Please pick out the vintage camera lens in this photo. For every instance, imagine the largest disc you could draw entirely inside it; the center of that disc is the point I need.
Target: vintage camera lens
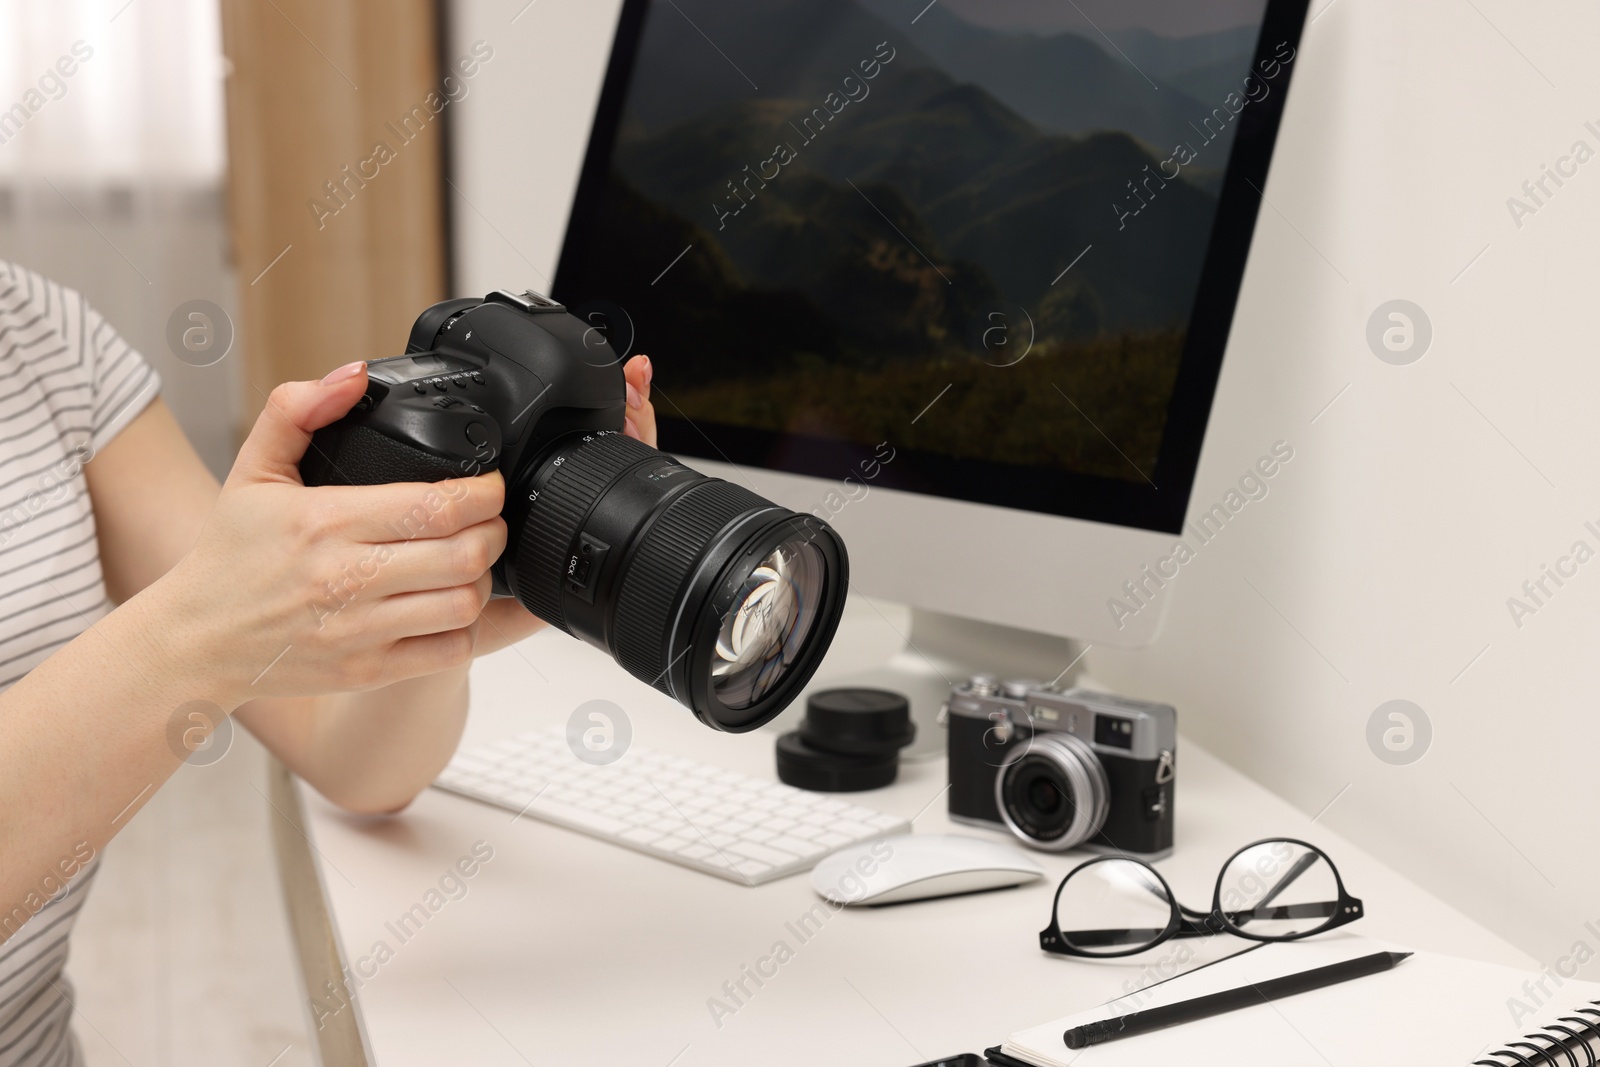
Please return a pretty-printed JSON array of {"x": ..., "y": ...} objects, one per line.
[
  {"x": 719, "y": 598},
  {"x": 1053, "y": 792}
]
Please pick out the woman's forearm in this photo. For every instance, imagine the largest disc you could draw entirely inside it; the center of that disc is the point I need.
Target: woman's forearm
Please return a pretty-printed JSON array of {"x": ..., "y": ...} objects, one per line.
[
  {"x": 88, "y": 736},
  {"x": 369, "y": 752}
]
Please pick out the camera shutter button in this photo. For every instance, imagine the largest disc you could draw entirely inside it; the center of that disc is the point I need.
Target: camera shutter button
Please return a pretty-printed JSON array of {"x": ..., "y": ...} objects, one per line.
[{"x": 477, "y": 434}]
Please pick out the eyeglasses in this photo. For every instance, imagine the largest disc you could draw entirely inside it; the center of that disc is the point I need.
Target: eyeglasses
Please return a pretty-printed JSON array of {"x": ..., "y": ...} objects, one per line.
[{"x": 1279, "y": 889}]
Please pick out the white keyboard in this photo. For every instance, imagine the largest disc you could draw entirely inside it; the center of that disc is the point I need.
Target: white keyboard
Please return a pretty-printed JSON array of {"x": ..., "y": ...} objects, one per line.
[{"x": 740, "y": 828}]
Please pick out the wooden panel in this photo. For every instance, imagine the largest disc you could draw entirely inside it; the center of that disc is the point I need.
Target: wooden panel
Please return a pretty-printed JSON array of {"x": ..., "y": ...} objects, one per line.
[{"x": 335, "y": 142}]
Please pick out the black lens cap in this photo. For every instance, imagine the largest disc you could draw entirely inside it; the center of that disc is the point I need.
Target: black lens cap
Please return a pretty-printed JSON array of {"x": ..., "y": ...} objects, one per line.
[
  {"x": 805, "y": 767},
  {"x": 858, "y": 722}
]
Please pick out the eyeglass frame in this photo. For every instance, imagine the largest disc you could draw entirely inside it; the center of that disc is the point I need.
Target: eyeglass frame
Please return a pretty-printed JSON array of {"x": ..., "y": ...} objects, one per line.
[{"x": 1188, "y": 922}]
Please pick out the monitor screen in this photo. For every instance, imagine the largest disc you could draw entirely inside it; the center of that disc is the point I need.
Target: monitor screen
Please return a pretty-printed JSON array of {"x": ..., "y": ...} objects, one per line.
[{"x": 993, "y": 246}]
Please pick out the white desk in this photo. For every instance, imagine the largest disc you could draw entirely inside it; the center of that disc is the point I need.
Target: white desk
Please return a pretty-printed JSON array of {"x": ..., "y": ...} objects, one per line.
[{"x": 566, "y": 950}]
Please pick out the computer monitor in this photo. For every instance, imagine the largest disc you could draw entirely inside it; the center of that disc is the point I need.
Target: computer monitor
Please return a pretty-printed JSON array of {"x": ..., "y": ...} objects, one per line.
[{"x": 957, "y": 276}]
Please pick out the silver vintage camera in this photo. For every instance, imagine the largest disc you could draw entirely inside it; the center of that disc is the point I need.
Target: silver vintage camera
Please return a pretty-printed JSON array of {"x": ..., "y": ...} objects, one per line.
[{"x": 1063, "y": 769}]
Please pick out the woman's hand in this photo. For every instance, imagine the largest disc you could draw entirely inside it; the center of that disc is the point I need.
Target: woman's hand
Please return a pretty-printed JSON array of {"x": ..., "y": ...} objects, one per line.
[
  {"x": 506, "y": 621},
  {"x": 293, "y": 591}
]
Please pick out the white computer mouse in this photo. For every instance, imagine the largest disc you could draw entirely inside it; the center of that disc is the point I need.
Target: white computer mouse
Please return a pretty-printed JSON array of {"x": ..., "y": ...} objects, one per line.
[{"x": 892, "y": 870}]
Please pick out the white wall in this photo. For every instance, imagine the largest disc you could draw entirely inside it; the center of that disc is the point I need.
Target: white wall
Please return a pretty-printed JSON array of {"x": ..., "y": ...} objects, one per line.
[
  {"x": 518, "y": 151},
  {"x": 1379, "y": 565},
  {"x": 1426, "y": 494}
]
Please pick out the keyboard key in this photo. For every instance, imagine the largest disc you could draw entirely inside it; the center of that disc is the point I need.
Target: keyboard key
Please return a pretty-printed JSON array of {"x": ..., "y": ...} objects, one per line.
[
  {"x": 584, "y": 817},
  {"x": 669, "y": 827},
  {"x": 802, "y": 849},
  {"x": 773, "y": 856},
  {"x": 751, "y": 869}
]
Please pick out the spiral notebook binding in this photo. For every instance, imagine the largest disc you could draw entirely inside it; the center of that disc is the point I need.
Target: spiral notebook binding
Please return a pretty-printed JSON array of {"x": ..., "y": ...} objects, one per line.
[{"x": 1560, "y": 1043}]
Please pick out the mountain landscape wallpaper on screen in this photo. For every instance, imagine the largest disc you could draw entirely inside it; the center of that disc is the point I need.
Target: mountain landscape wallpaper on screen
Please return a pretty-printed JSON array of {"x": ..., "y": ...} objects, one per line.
[{"x": 876, "y": 209}]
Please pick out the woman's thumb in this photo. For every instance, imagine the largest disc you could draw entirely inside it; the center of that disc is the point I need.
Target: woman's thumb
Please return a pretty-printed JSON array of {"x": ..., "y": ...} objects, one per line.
[{"x": 283, "y": 430}]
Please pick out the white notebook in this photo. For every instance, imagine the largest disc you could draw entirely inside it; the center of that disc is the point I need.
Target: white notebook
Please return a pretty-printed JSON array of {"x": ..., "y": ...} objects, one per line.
[{"x": 1430, "y": 1009}]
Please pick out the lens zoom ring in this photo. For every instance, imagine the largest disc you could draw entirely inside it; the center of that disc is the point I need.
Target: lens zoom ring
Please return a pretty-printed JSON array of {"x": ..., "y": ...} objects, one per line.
[
  {"x": 661, "y": 565},
  {"x": 556, "y": 519}
]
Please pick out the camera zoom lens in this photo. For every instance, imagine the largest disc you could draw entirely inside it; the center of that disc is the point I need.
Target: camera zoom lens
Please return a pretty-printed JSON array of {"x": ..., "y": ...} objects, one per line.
[
  {"x": 717, "y": 597},
  {"x": 1053, "y": 793},
  {"x": 775, "y": 608}
]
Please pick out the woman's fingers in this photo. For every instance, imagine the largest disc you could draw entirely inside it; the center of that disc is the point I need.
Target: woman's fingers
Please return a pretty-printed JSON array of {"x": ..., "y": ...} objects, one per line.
[
  {"x": 413, "y": 657},
  {"x": 405, "y": 511},
  {"x": 434, "y": 611},
  {"x": 276, "y": 444},
  {"x": 640, "y": 420},
  {"x": 638, "y": 373},
  {"x": 437, "y": 562}
]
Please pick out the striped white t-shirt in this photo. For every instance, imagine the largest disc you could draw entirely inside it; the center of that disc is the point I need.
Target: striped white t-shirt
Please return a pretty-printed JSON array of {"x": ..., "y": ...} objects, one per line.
[{"x": 68, "y": 385}]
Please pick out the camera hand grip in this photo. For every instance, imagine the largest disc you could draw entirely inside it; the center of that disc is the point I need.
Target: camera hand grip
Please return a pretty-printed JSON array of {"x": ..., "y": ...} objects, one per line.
[{"x": 358, "y": 455}]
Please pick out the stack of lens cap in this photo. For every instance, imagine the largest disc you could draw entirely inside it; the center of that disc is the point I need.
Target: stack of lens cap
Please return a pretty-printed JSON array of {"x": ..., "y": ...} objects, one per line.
[{"x": 850, "y": 740}]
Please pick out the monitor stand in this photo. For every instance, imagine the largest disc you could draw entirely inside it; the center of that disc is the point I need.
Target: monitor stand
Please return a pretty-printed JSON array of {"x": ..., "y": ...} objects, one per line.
[{"x": 939, "y": 651}]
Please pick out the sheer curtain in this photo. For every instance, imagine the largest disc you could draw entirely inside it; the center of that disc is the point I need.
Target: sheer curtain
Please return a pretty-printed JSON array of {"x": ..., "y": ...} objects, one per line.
[
  {"x": 111, "y": 167},
  {"x": 95, "y": 91}
]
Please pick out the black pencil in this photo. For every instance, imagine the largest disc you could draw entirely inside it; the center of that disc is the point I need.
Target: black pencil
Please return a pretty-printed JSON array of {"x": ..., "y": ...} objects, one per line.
[{"x": 1142, "y": 1022}]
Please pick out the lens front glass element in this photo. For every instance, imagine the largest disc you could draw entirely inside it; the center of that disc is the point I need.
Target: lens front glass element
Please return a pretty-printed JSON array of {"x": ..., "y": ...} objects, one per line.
[
  {"x": 1039, "y": 797},
  {"x": 766, "y": 628},
  {"x": 1278, "y": 889},
  {"x": 1111, "y": 907}
]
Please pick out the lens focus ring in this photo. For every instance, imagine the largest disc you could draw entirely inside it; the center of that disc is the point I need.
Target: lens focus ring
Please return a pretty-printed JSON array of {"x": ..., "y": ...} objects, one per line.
[
  {"x": 670, "y": 551},
  {"x": 565, "y": 499}
]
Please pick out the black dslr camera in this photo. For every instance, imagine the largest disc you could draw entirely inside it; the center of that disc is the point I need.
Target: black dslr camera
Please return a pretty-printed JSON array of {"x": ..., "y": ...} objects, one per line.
[
  {"x": 1063, "y": 769},
  {"x": 720, "y": 599}
]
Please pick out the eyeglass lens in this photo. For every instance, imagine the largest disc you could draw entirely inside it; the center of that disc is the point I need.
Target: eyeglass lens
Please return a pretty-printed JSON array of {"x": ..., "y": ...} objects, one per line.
[
  {"x": 1112, "y": 907},
  {"x": 1278, "y": 888}
]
